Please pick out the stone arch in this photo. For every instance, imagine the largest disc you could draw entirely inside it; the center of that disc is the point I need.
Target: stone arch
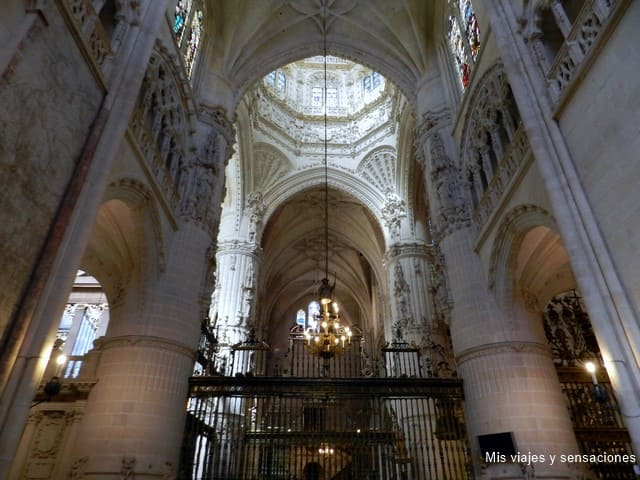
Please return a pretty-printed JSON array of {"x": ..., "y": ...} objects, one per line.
[
  {"x": 504, "y": 254},
  {"x": 341, "y": 180},
  {"x": 127, "y": 244}
]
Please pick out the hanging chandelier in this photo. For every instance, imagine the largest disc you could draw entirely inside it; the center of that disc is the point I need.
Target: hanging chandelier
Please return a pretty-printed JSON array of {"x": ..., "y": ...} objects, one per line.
[{"x": 325, "y": 336}]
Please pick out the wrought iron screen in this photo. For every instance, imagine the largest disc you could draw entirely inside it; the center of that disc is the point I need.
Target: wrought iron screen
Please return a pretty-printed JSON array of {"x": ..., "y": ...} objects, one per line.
[{"x": 320, "y": 428}]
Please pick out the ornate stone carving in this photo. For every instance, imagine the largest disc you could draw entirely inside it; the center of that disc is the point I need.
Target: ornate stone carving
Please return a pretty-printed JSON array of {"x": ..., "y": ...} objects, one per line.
[
  {"x": 77, "y": 469},
  {"x": 256, "y": 209},
  {"x": 90, "y": 27},
  {"x": 393, "y": 211},
  {"x": 401, "y": 293},
  {"x": 160, "y": 121},
  {"x": 581, "y": 36},
  {"x": 449, "y": 184},
  {"x": 379, "y": 169},
  {"x": 270, "y": 167},
  {"x": 494, "y": 143},
  {"x": 202, "y": 182},
  {"x": 217, "y": 117},
  {"x": 439, "y": 287},
  {"x": 127, "y": 471}
]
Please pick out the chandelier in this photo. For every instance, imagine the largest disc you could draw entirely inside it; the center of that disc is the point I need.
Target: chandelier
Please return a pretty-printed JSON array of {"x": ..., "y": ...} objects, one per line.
[{"x": 325, "y": 336}]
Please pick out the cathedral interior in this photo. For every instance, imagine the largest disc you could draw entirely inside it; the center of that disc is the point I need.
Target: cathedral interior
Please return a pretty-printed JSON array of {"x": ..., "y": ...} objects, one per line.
[{"x": 319, "y": 239}]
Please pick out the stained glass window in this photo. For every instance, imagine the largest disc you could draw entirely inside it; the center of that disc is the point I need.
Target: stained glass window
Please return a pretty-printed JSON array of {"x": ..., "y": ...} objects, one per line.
[
  {"x": 316, "y": 96},
  {"x": 183, "y": 7},
  {"x": 271, "y": 78},
  {"x": 332, "y": 97},
  {"x": 301, "y": 318},
  {"x": 188, "y": 28},
  {"x": 195, "y": 35},
  {"x": 375, "y": 80},
  {"x": 314, "y": 310},
  {"x": 371, "y": 82},
  {"x": 282, "y": 81},
  {"x": 366, "y": 83},
  {"x": 464, "y": 38}
]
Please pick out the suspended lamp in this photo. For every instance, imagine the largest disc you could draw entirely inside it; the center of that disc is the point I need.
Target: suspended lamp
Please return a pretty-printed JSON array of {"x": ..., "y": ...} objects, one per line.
[{"x": 327, "y": 337}]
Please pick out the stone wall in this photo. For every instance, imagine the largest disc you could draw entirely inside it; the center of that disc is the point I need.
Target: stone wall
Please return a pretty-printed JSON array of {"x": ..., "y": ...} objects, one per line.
[{"x": 49, "y": 99}]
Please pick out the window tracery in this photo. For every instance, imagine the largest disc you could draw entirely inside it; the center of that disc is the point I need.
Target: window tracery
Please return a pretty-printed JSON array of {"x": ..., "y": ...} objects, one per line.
[
  {"x": 277, "y": 80},
  {"x": 188, "y": 29},
  {"x": 372, "y": 82},
  {"x": 463, "y": 35}
]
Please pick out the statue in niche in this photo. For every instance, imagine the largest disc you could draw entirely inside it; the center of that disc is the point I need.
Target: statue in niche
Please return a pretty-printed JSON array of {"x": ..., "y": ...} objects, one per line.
[
  {"x": 393, "y": 212},
  {"x": 401, "y": 292},
  {"x": 257, "y": 208}
]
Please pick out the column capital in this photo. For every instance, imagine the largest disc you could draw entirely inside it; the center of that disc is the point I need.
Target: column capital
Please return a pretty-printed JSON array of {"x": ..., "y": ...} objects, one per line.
[{"x": 413, "y": 249}]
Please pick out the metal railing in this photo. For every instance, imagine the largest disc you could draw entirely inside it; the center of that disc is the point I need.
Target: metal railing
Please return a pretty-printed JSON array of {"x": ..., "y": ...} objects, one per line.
[{"x": 324, "y": 428}]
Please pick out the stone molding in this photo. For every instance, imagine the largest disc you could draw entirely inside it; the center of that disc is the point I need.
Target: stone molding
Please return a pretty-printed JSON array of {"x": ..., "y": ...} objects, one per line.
[
  {"x": 516, "y": 222},
  {"x": 144, "y": 341},
  {"x": 502, "y": 348},
  {"x": 241, "y": 247},
  {"x": 401, "y": 250}
]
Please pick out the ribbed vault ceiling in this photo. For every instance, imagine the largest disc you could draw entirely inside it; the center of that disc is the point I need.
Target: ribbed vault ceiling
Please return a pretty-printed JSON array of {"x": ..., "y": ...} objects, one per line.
[
  {"x": 251, "y": 37},
  {"x": 293, "y": 253}
]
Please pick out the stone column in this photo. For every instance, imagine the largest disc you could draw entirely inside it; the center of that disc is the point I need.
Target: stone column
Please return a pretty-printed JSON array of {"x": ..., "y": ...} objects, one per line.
[
  {"x": 234, "y": 296},
  {"x": 510, "y": 382},
  {"x": 414, "y": 323},
  {"x": 135, "y": 416},
  {"x": 410, "y": 272},
  {"x": 612, "y": 311}
]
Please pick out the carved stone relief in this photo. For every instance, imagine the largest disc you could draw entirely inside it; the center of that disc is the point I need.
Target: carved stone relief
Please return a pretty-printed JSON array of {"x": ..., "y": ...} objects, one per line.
[
  {"x": 379, "y": 169},
  {"x": 393, "y": 211}
]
